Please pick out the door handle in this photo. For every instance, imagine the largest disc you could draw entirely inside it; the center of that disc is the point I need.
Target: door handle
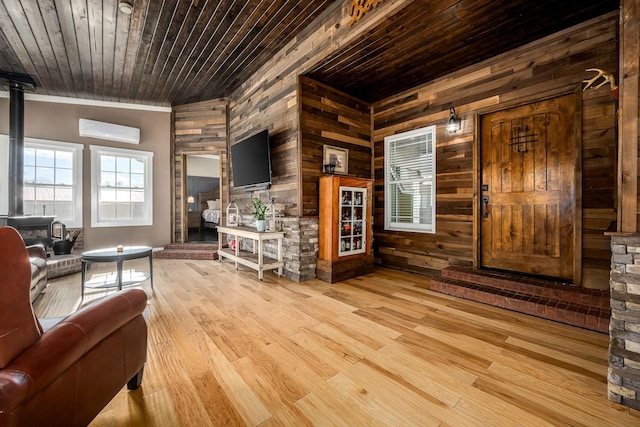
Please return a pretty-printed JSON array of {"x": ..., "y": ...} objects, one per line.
[{"x": 485, "y": 204}]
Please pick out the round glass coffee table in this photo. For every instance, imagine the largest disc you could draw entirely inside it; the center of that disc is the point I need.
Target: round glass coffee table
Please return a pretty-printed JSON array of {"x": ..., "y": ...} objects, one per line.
[{"x": 118, "y": 256}]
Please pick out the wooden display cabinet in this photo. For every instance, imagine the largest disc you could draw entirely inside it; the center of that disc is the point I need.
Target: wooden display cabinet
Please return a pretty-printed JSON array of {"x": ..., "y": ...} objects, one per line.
[{"x": 346, "y": 208}]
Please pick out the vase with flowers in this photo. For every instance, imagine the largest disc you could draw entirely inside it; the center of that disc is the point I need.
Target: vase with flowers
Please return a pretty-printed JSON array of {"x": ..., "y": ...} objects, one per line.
[{"x": 259, "y": 213}]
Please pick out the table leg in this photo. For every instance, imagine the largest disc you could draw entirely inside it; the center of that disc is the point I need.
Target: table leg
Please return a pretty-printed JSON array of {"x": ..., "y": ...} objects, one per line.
[
  {"x": 82, "y": 279},
  {"x": 151, "y": 269},
  {"x": 237, "y": 250},
  {"x": 259, "y": 257},
  {"x": 280, "y": 255},
  {"x": 119, "y": 273},
  {"x": 219, "y": 245}
]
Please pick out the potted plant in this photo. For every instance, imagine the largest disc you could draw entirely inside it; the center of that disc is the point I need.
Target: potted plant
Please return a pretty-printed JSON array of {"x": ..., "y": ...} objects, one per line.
[{"x": 259, "y": 213}]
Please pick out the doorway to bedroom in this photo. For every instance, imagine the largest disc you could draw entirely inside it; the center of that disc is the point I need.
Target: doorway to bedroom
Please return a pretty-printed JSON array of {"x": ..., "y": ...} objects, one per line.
[{"x": 202, "y": 197}]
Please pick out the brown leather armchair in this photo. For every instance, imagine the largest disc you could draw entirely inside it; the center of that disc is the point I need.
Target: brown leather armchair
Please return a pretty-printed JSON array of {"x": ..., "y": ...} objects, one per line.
[
  {"x": 38, "y": 260},
  {"x": 66, "y": 375}
]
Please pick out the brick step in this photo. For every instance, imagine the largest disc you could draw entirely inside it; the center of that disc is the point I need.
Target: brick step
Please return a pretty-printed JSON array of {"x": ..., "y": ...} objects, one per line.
[
  {"x": 186, "y": 254},
  {"x": 584, "y": 316},
  {"x": 61, "y": 265},
  {"x": 530, "y": 285},
  {"x": 193, "y": 246}
]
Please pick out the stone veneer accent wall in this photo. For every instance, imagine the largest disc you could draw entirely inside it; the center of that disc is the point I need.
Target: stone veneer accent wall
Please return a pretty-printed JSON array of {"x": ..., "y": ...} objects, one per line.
[
  {"x": 299, "y": 246},
  {"x": 624, "y": 329}
]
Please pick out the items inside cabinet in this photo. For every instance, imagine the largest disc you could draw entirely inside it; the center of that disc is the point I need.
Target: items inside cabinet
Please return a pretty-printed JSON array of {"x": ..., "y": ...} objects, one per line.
[{"x": 352, "y": 208}]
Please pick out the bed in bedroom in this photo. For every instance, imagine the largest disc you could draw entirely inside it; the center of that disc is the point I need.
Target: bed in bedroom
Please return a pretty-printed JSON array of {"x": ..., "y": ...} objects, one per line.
[{"x": 210, "y": 208}]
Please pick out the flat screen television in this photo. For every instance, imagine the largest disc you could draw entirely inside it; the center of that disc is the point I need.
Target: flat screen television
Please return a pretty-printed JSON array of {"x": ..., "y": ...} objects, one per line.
[{"x": 251, "y": 162}]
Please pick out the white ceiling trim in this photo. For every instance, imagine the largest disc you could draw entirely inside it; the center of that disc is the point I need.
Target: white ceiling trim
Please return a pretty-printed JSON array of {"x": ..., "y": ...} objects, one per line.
[{"x": 91, "y": 102}]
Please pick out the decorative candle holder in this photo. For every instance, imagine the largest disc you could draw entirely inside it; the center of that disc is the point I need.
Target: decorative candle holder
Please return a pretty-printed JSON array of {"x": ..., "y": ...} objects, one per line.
[{"x": 232, "y": 215}]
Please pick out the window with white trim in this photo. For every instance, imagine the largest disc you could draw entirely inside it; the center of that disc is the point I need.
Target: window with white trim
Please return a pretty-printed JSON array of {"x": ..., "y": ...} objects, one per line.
[
  {"x": 52, "y": 182},
  {"x": 121, "y": 187},
  {"x": 410, "y": 182}
]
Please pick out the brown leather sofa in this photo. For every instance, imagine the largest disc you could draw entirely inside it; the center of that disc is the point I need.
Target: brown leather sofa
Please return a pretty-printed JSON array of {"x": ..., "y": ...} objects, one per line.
[
  {"x": 65, "y": 375},
  {"x": 38, "y": 260}
]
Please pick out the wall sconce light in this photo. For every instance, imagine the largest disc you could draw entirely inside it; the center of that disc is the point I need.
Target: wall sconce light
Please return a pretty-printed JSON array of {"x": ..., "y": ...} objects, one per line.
[
  {"x": 329, "y": 168},
  {"x": 191, "y": 200},
  {"x": 453, "y": 125}
]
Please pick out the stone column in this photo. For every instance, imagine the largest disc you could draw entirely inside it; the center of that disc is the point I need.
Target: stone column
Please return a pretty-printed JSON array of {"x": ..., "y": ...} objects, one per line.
[{"x": 624, "y": 329}]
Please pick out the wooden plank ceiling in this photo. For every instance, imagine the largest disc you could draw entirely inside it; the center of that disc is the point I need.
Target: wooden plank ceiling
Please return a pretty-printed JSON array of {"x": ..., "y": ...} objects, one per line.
[
  {"x": 165, "y": 52},
  {"x": 172, "y": 52},
  {"x": 429, "y": 39}
]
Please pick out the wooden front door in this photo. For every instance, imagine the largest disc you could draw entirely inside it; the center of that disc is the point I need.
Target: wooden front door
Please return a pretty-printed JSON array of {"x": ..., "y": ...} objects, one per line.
[{"x": 528, "y": 180}]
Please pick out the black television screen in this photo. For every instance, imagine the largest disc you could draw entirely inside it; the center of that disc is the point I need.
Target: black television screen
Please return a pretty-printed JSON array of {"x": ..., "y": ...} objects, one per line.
[{"x": 251, "y": 162}]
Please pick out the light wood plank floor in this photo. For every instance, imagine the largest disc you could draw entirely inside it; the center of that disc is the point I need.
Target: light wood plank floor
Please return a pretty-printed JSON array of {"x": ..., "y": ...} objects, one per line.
[{"x": 378, "y": 350}]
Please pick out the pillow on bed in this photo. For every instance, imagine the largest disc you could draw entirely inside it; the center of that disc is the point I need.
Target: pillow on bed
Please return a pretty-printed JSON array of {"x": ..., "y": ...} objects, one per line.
[{"x": 213, "y": 204}]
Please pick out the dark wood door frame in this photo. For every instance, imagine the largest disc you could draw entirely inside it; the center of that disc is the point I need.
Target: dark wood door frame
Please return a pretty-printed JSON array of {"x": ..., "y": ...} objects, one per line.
[{"x": 477, "y": 176}]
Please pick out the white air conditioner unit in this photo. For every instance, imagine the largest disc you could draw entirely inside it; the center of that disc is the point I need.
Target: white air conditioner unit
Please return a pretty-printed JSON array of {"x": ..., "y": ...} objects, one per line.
[{"x": 109, "y": 131}]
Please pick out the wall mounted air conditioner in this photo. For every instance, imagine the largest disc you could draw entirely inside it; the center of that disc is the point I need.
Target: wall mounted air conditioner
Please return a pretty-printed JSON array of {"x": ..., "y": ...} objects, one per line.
[{"x": 109, "y": 131}]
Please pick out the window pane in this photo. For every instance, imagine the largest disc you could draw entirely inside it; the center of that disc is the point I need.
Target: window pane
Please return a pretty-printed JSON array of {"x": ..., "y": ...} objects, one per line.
[
  {"x": 29, "y": 208},
  {"x": 139, "y": 211},
  {"x": 28, "y": 193},
  {"x": 44, "y": 194},
  {"x": 107, "y": 179},
  {"x": 137, "y": 196},
  {"x": 123, "y": 211},
  {"x": 63, "y": 194},
  {"x": 29, "y": 156},
  {"x": 107, "y": 163},
  {"x": 123, "y": 195},
  {"x": 123, "y": 180},
  {"x": 122, "y": 164},
  {"x": 64, "y": 159},
  {"x": 137, "y": 181},
  {"x": 107, "y": 211},
  {"x": 137, "y": 166},
  {"x": 64, "y": 209},
  {"x": 64, "y": 177},
  {"x": 29, "y": 175},
  {"x": 45, "y": 175},
  {"x": 107, "y": 195},
  {"x": 45, "y": 158}
]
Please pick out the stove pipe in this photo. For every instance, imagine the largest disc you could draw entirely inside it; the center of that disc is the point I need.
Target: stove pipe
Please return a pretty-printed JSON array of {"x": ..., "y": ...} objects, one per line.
[{"x": 16, "y": 149}]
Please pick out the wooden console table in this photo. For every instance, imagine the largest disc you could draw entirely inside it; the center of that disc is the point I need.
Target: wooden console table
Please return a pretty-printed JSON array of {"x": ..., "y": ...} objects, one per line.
[{"x": 257, "y": 261}]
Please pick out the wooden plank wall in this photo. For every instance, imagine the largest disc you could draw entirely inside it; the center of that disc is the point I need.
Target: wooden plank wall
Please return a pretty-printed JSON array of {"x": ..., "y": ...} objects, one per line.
[
  {"x": 249, "y": 117},
  {"x": 331, "y": 117},
  {"x": 549, "y": 67},
  {"x": 629, "y": 123},
  {"x": 269, "y": 100},
  {"x": 599, "y": 146},
  {"x": 198, "y": 128}
]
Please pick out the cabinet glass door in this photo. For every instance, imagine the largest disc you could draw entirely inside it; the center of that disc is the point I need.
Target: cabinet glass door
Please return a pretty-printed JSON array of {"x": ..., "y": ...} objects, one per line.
[{"x": 352, "y": 238}]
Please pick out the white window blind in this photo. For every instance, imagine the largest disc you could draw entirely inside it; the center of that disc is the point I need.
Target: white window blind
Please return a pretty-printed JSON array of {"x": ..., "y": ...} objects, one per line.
[{"x": 409, "y": 161}]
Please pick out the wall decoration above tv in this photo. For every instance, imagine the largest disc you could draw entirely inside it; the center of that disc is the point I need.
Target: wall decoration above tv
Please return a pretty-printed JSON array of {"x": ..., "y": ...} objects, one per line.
[{"x": 251, "y": 163}]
